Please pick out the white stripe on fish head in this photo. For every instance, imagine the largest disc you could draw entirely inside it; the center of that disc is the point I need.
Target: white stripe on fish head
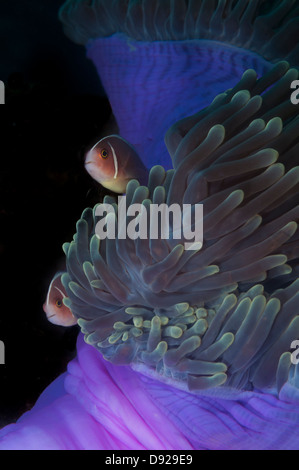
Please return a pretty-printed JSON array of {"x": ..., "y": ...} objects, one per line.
[
  {"x": 115, "y": 161},
  {"x": 63, "y": 295}
]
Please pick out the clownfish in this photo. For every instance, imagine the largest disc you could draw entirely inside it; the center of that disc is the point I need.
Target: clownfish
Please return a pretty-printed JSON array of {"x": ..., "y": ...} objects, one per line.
[
  {"x": 113, "y": 162},
  {"x": 58, "y": 313}
]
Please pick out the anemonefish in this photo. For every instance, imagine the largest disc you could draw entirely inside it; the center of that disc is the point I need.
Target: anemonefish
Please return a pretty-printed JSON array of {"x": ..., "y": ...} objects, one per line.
[
  {"x": 54, "y": 308},
  {"x": 113, "y": 162}
]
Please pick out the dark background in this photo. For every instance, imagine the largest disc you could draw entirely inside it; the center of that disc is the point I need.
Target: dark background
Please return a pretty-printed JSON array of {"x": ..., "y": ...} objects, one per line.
[{"x": 55, "y": 107}]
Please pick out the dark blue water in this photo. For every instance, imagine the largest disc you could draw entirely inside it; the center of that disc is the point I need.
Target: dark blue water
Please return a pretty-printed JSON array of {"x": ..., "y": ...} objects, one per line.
[{"x": 52, "y": 111}]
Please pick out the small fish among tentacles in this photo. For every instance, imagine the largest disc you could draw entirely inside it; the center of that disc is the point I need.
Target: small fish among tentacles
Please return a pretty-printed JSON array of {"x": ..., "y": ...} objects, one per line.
[
  {"x": 58, "y": 313},
  {"x": 113, "y": 162}
]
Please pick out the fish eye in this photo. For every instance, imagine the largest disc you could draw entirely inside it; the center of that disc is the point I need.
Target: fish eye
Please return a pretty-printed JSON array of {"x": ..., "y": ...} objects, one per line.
[
  {"x": 58, "y": 303},
  {"x": 104, "y": 153}
]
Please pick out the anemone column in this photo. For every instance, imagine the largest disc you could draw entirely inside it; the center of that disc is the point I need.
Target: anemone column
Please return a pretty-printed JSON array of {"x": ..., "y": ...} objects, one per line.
[
  {"x": 160, "y": 61},
  {"x": 152, "y": 85}
]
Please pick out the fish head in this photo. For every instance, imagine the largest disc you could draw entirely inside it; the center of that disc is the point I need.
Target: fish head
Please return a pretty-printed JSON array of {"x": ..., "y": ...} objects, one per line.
[
  {"x": 56, "y": 311},
  {"x": 113, "y": 162},
  {"x": 101, "y": 162}
]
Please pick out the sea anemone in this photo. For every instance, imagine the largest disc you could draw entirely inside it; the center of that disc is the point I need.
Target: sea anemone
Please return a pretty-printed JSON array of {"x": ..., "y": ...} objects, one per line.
[
  {"x": 195, "y": 345},
  {"x": 202, "y": 317}
]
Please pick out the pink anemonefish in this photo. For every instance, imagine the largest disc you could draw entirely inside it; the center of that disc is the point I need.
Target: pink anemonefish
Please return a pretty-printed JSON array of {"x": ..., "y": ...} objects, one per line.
[
  {"x": 113, "y": 162},
  {"x": 54, "y": 308}
]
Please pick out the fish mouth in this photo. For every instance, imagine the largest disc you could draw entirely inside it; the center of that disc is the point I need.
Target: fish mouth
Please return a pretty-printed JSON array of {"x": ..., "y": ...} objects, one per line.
[
  {"x": 93, "y": 171},
  {"x": 46, "y": 313}
]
